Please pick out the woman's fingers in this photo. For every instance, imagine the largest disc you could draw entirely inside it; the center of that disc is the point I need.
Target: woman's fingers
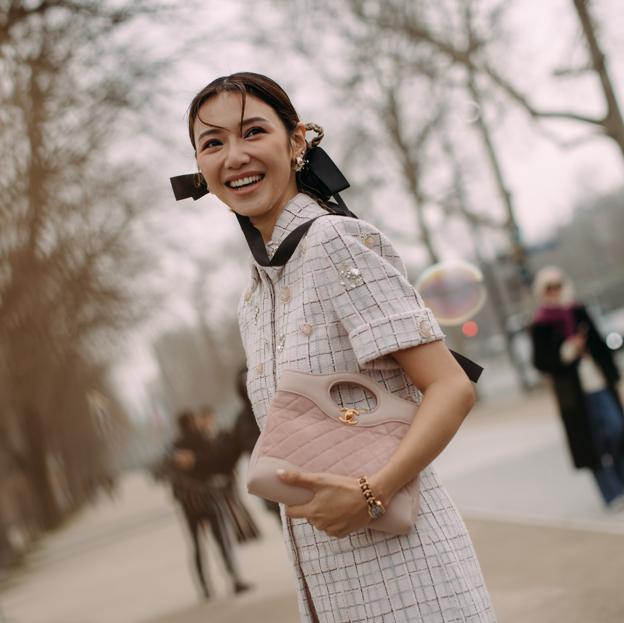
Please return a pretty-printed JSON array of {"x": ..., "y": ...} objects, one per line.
[
  {"x": 298, "y": 512},
  {"x": 299, "y": 479}
]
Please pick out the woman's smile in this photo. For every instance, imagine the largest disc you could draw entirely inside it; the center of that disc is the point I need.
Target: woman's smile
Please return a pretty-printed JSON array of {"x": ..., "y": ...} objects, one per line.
[{"x": 245, "y": 183}]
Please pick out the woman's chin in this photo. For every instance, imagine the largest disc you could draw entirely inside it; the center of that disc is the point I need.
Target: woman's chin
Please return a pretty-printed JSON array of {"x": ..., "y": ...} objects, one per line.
[{"x": 251, "y": 210}]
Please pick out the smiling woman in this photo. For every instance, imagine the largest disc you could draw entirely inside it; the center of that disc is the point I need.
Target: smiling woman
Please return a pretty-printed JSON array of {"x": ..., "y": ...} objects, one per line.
[{"x": 340, "y": 302}]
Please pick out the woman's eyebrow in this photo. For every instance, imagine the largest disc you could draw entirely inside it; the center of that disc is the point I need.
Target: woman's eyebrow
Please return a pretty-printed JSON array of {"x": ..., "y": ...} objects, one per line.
[
  {"x": 217, "y": 129},
  {"x": 253, "y": 120}
]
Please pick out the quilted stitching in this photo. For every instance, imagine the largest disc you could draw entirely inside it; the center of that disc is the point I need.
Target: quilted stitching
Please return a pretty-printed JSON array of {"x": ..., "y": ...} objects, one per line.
[{"x": 299, "y": 432}]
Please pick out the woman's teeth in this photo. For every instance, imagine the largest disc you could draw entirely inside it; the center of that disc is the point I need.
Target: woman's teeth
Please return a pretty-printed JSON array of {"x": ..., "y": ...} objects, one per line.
[{"x": 244, "y": 181}]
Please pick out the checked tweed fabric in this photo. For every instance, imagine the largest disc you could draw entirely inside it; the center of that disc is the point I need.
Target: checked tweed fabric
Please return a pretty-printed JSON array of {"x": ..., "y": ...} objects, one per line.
[{"x": 342, "y": 304}]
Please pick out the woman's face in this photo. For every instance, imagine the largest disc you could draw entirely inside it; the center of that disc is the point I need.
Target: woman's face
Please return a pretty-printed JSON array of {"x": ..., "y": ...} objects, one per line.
[
  {"x": 552, "y": 291},
  {"x": 248, "y": 167}
]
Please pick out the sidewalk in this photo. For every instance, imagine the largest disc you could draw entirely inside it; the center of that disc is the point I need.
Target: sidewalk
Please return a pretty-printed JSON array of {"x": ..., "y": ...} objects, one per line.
[
  {"x": 546, "y": 574},
  {"x": 548, "y": 550},
  {"x": 535, "y": 574}
]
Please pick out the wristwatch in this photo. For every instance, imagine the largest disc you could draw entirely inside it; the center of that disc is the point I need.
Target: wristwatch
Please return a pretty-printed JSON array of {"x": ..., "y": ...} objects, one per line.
[{"x": 375, "y": 508}]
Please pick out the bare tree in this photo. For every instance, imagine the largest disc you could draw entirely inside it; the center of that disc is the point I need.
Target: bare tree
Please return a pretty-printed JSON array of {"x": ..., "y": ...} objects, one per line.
[
  {"x": 409, "y": 20},
  {"x": 70, "y": 256}
]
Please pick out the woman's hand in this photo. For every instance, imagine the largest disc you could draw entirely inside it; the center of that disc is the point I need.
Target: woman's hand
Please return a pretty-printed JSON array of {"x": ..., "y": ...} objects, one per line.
[{"x": 338, "y": 507}]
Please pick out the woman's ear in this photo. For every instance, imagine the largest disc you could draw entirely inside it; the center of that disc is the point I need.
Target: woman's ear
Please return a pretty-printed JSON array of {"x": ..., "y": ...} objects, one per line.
[{"x": 298, "y": 139}]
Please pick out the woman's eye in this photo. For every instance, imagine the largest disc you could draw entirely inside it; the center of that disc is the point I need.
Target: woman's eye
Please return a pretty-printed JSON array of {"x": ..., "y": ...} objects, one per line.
[
  {"x": 253, "y": 132},
  {"x": 211, "y": 143}
]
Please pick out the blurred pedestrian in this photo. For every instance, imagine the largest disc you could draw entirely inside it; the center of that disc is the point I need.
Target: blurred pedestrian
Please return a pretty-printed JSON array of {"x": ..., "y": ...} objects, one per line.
[
  {"x": 192, "y": 462},
  {"x": 245, "y": 528},
  {"x": 207, "y": 422},
  {"x": 339, "y": 300},
  {"x": 568, "y": 347},
  {"x": 246, "y": 429}
]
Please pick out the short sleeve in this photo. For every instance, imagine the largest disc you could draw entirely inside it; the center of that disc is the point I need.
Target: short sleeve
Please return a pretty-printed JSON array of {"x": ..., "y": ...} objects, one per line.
[{"x": 378, "y": 307}]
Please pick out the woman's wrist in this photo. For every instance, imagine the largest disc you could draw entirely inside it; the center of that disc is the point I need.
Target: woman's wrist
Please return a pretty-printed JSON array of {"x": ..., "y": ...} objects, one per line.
[{"x": 382, "y": 488}]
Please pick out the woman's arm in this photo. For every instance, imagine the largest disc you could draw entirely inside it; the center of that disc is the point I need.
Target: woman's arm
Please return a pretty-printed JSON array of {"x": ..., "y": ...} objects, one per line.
[
  {"x": 448, "y": 396},
  {"x": 338, "y": 506}
]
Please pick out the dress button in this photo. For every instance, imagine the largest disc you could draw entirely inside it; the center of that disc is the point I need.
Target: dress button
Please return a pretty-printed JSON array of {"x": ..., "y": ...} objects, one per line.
[
  {"x": 250, "y": 290},
  {"x": 425, "y": 329},
  {"x": 368, "y": 240},
  {"x": 271, "y": 248},
  {"x": 307, "y": 329},
  {"x": 285, "y": 294},
  {"x": 281, "y": 343}
]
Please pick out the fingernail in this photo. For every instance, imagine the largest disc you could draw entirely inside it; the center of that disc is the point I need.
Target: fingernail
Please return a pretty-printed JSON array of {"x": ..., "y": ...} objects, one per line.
[{"x": 280, "y": 471}]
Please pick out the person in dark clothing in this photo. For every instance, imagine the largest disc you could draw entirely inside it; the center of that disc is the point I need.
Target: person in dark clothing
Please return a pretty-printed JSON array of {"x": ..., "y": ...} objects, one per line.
[
  {"x": 246, "y": 429},
  {"x": 568, "y": 347},
  {"x": 239, "y": 516},
  {"x": 193, "y": 460}
]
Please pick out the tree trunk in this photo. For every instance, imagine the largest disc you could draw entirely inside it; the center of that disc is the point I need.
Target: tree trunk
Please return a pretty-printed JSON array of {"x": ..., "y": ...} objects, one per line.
[
  {"x": 614, "y": 122},
  {"x": 497, "y": 299},
  {"x": 37, "y": 468},
  {"x": 517, "y": 247},
  {"x": 410, "y": 167}
]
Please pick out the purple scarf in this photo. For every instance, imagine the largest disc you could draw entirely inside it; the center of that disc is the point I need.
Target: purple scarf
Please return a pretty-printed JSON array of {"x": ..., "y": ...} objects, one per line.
[{"x": 562, "y": 317}]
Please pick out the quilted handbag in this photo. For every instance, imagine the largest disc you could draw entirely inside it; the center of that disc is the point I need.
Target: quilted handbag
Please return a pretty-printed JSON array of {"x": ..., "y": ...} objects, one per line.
[{"x": 307, "y": 431}]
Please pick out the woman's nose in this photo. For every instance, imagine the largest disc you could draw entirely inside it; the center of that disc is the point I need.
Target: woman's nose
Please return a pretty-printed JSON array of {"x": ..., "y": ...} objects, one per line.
[{"x": 237, "y": 155}]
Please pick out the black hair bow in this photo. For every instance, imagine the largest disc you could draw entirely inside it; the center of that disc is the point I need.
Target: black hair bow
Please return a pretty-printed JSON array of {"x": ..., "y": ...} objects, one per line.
[{"x": 320, "y": 177}]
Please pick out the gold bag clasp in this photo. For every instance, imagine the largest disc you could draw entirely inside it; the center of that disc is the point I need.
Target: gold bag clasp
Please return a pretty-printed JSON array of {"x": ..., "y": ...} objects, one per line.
[{"x": 349, "y": 416}]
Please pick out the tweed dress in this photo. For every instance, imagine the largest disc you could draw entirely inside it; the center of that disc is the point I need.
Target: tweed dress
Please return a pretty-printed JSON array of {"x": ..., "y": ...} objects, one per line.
[{"x": 342, "y": 304}]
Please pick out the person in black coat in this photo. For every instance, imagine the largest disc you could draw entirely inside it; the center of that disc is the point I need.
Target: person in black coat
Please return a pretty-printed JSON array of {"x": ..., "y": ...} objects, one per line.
[
  {"x": 240, "y": 518},
  {"x": 193, "y": 460},
  {"x": 568, "y": 347},
  {"x": 246, "y": 429}
]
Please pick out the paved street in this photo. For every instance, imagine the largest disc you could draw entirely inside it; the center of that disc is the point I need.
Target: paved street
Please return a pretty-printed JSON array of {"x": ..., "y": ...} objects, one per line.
[{"x": 550, "y": 553}]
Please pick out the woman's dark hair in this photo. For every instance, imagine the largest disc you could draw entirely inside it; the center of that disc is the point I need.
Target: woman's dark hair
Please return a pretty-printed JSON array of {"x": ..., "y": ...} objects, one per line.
[
  {"x": 246, "y": 82},
  {"x": 186, "y": 422}
]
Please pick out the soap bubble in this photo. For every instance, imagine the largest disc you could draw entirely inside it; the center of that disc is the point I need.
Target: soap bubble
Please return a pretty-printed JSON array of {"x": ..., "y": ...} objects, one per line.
[
  {"x": 453, "y": 290},
  {"x": 468, "y": 111}
]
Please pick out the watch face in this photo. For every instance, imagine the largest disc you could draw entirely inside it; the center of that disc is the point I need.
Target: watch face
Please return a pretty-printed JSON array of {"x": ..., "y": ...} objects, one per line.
[{"x": 376, "y": 511}]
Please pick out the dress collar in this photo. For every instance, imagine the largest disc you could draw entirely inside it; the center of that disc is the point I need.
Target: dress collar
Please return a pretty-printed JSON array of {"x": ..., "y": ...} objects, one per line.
[{"x": 300, "y": 209}]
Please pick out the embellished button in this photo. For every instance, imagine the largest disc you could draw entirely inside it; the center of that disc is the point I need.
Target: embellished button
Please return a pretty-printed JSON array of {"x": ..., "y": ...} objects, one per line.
[
  {"x": 271, "y": 247},
  {"x": 425, "y": 328},
  {"x": 285, "y": 294},
  {"x": 256, "y": 313},
  {"x": 250, "y": 290},
  {"x": 260, "y": 368},
  {"x": 351, "y": 277},
  {"x": 368, "y": 240},
  {"x": 281, "y": 343},
  {"x": 307, "y": 329}
]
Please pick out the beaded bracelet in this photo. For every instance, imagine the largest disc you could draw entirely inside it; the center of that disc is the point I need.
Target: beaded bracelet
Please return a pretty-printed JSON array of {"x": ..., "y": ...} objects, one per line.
[{"x": 375, "y": 507}]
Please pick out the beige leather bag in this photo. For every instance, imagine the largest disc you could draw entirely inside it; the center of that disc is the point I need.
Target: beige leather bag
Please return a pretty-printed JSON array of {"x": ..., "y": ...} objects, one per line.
[{"x": 307, "y": 431}]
